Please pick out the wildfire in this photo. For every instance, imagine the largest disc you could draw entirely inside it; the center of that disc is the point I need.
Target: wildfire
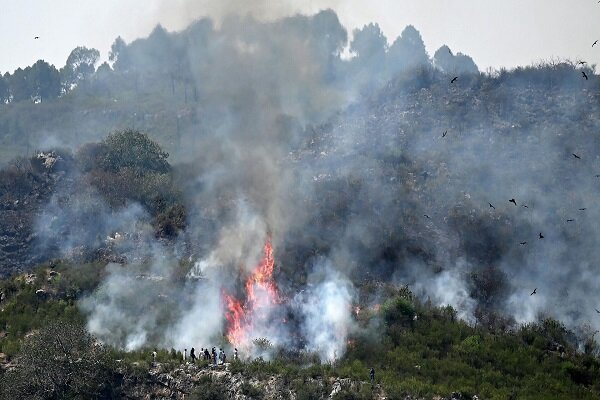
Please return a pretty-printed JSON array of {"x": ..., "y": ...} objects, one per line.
[{"x": 261, "y": 293}]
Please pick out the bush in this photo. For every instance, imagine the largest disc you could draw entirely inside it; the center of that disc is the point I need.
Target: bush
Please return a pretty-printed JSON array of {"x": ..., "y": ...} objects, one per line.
[
  {"x": 210, "y": 389},
  {"x": 133, "y": 149},
  {"x": 306, "y": 390},
  {"x": 60, "y": 361},
  {"x": 398, "y": 310},
  {"x": 251, "y": 391}
]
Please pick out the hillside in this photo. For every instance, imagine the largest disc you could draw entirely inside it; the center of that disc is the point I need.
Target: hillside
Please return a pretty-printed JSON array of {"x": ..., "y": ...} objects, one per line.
[{"x": 249, "y": 186}]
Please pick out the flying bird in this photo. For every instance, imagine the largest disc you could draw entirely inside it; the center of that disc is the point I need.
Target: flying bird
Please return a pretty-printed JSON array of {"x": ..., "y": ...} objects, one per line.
[
  {"x": 598, "y": 311},
  {"x": 491, "y": 206},
  {"x": 582, "y": 62},
  {"x": 444, "y": 134},
  {"x": 582, "y": 209},
  {"x": 454, "y": 79},
  {"x": 524, "y": 205},
  {"x": 597, "y": 176},
  {"x": 576, "y": 156},
  {"x": 593, "y": 44},
  {"x": 426, "y": 216},
  {"x": 541, "y": 236},
  {"x": 36, "y": 37},
  {"x": 534, "y": 292},
  {"x": 584, "y": 75},
  {"x": 513, "y": 201},
  {"x": 523, "y": 243},
  {"x": 570, "y": 220}
]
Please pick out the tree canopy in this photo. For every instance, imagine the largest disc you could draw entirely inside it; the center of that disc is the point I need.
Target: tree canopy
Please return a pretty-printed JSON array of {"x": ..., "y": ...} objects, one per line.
[{"x": 60, "y": 361}]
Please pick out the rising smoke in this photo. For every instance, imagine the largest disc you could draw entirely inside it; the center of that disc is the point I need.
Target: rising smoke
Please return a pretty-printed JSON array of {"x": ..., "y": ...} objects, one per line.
[{"x": 341, "y": 163}]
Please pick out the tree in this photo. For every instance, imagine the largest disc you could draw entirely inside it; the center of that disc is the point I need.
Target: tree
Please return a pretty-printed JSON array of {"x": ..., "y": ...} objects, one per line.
[
  {"x": 118, "y": 54},
  {"x": 20, "y": 85},
  {"x": 45, "y": 80},
  {"x": 407, "y": 51},
  {"x": 135, "y": 150},
  {"x": 369, "y": 42},
  {"x": 449, "y": 63},
  {"x": 80, "y": 65},
  {"x": 60, "y": 361},
  {"x": 4, "y": 90}
]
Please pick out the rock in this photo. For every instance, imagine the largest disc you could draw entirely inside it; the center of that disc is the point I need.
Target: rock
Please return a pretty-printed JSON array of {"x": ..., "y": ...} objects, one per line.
[
  {"x": 337, "y": 387},
  {"x": 178, "y": 383}
]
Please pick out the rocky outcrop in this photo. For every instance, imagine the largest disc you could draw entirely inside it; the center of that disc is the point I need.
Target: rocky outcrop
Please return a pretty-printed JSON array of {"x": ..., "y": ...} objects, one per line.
[{"x": 161, "y": 382}]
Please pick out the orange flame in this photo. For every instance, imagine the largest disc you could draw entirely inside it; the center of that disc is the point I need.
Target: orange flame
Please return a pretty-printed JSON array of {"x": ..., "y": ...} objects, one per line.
[{"x": 261, "y": 293}]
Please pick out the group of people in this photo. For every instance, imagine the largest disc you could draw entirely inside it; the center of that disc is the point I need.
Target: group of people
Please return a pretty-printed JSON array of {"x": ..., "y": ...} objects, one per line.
[{"x": 214, "y": 356}]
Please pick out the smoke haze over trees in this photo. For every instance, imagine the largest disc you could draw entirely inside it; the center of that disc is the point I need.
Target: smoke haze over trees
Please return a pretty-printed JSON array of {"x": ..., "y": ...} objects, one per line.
[{"x": 358, "y": 156}]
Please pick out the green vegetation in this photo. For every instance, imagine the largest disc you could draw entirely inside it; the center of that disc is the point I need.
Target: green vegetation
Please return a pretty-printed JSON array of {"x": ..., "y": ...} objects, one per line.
[
  {"x": 209, "y": 389},
  {"x": 438, "y": 355},
  {"x": 128, "y": 166},
  {"x": 433, "y": 355},
  {"x": 61, "y": 361}
]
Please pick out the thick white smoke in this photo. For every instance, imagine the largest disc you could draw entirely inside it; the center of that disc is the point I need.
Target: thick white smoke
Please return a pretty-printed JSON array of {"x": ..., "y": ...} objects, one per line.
[{"x": 326, "y": 306}]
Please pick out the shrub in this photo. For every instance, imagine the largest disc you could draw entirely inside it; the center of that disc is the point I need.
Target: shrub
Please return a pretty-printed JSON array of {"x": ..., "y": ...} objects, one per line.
[
  {"x": 251, "y": 391},
  {"x": 132, "y": 149},
  {"x": 209, "y": 389},
  {"x": 60, "y": 361},
  {"x": 398, "y": 310}
]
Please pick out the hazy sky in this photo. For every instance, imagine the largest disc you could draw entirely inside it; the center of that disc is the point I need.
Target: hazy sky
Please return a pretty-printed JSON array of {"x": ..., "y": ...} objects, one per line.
[{"x": 501, "y": 33}]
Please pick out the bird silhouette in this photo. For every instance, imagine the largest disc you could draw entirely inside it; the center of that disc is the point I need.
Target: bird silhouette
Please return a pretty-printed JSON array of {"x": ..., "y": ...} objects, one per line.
[
  {"x": 36, "y": 37},
  {"x": 491, "y": 206},
  {"x": 444, "y": 134},
  {"x": 598, "y": 311},
  {"x": 426, "y": 216},
  {"x": 454, "y": 79},
  {"x": 534, "y": 292},
  {"x": 582, "y": 209},
  {"x": 513, "y": 201},
  {"x": 582, "y": 63},
  {"x": 541, "y": 236},
  {"x": 570, "y": 220},
  {"x": 584, "y": 75},
  {"x": 576, "y": 156},
  {"x": 523, "y": 243},
  {"x": 597, "y": 176},
  {"x": 593, "y": 44},
  {"x": 524, "y": 205}
]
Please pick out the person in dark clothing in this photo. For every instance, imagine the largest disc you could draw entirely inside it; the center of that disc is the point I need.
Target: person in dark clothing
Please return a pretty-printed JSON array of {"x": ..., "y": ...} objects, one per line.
[
  {"x": 372, "y": 375},
  {"x": 206, "y": 354},
  {"x": 193, "y": 355}
]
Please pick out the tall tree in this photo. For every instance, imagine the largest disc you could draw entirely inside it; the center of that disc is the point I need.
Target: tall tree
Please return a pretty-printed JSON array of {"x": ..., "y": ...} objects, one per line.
[
  {"x": 80, "y": 65},
  {"x": 4, "y": 90},
  {"x": 46, "y": 80},
  {"x": 407, "y": 51},
  {"x": 20, "y": 85},
  {"x": 118, "y": 54}
]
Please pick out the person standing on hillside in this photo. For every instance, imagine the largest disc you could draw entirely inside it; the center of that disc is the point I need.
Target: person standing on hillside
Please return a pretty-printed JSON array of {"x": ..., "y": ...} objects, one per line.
[
  {"x": 372, "y": 375},
  {"x": 193, "y": 355}
]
